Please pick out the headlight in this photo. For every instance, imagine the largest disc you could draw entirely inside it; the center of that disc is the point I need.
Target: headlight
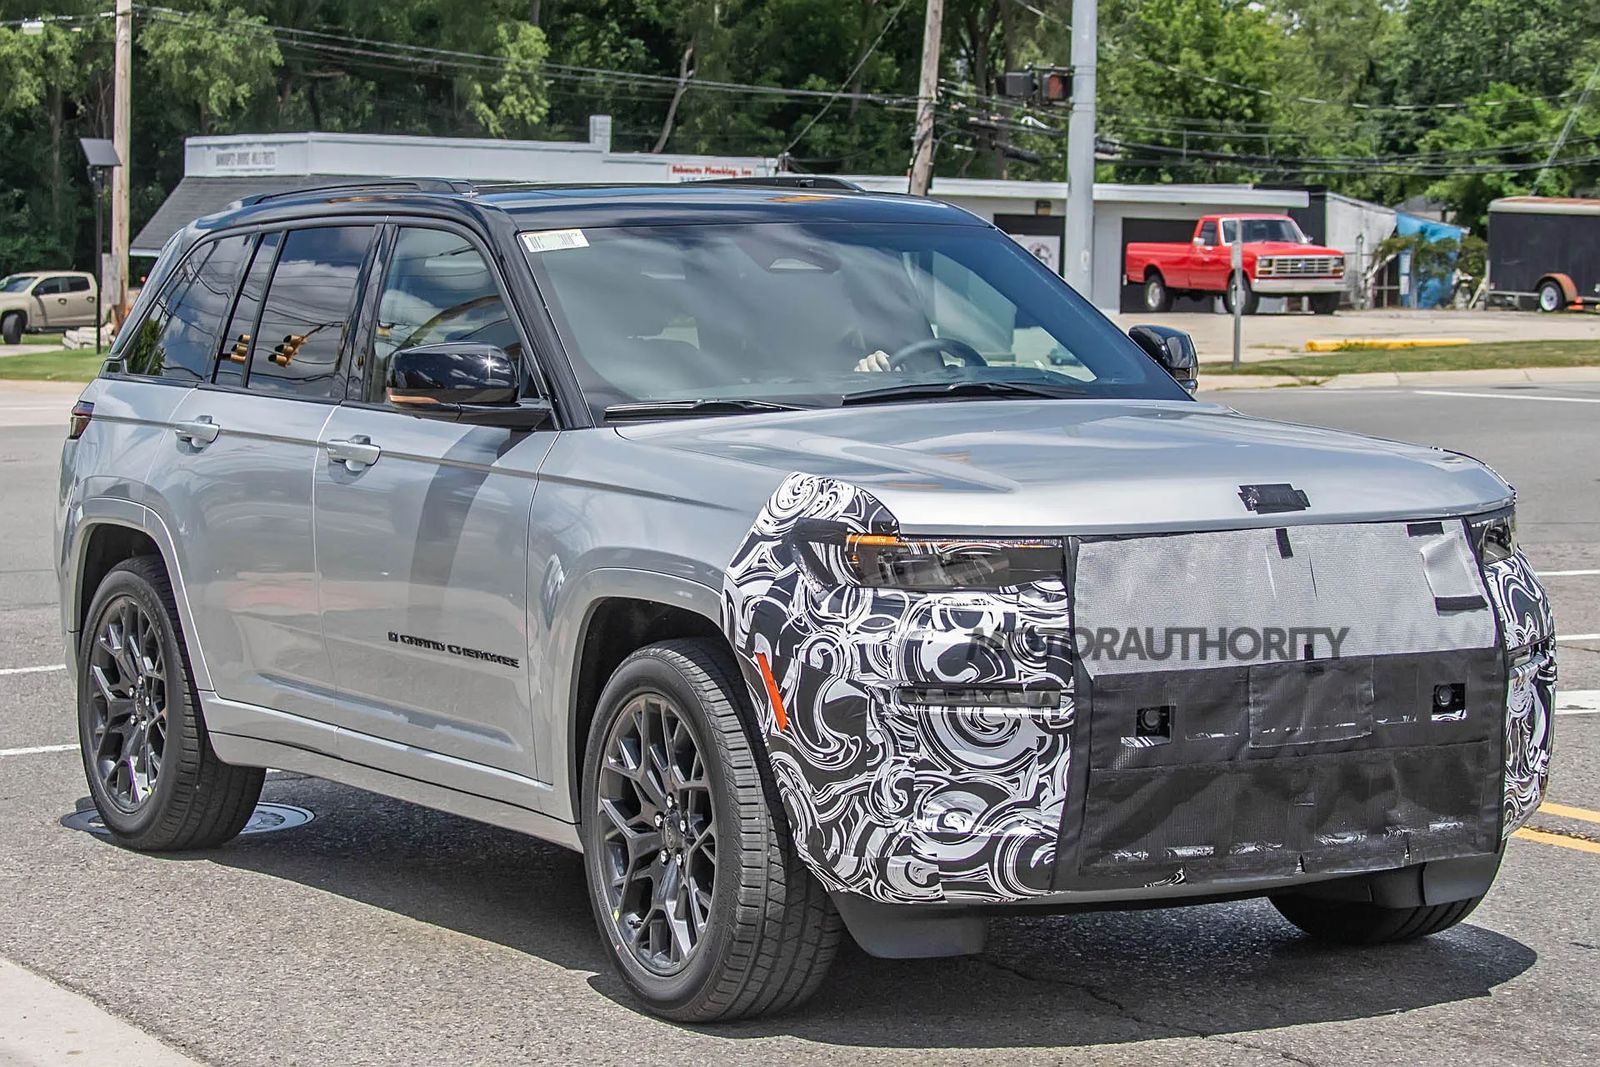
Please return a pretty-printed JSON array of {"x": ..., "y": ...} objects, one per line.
[
  {"x": 935, "y": 563},
  {"x": 1265, "y": 266},
  {"x": 1494, "y": 535}
]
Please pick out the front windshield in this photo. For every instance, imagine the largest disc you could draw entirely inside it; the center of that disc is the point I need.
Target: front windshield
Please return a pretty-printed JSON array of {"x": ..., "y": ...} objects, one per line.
[
  {"x": 809, "y": 314},
  {"x": 1256, "y": 230},
  {"x": 16, "y": 283}
]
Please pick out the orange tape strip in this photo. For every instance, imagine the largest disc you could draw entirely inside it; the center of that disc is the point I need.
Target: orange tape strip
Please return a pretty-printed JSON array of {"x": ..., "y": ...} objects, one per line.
[{"x": 773, "y": 696}]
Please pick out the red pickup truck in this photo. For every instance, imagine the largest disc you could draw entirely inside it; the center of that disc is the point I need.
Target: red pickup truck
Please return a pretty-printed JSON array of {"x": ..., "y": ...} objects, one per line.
[{"x": 1279, "y": 260}]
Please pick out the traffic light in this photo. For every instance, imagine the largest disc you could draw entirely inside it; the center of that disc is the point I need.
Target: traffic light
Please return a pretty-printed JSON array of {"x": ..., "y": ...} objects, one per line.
[{"x": 1040, "y": 85}]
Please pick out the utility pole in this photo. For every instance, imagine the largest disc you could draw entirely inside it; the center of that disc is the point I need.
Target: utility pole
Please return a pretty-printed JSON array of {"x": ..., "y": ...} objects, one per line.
[
  {"x": 1566, "y": 129},
  {"x": 1080, "y": 147},
  {"x": 121, "y": 121},
  {"x": 927, "y": 90}
]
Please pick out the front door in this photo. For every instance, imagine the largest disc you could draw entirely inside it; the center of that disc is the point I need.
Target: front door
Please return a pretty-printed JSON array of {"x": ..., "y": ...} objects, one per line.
[
  {"x": 54, "y": 303},
  {"x": 422, "y": 535}
]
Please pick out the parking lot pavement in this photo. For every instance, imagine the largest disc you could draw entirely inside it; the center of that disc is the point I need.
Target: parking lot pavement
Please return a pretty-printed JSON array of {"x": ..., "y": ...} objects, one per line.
[
  {"x": 1271, "y": 336},
  {"x": 384, "y": 933}
]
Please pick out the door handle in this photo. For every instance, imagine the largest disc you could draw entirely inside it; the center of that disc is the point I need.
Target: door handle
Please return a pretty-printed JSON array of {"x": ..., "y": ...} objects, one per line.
[
  {"x": 61, "y": 300},
  {"x": 200, "y": 432},
  {"x": 356, "y": 453}
]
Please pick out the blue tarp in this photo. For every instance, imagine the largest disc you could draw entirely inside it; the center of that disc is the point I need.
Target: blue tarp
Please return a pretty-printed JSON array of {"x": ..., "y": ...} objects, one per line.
[{"x": 1426, "y": 292}]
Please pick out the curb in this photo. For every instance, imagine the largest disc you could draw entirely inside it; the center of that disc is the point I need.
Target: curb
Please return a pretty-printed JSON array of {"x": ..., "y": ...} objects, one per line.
[
  {"x": 1364, "y": 344},
  {"x": 1393, "y": 379},
  {"x": 44, "y": 1024}
]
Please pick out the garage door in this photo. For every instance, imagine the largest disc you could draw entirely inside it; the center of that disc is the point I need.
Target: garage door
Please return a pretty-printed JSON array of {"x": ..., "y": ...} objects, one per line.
[{"x": 1178, "y": 230}]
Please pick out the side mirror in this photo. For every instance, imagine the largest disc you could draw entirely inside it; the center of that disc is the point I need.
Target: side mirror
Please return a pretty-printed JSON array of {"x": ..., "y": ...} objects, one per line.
[
  {"x": 1173, "y": 349},
  {"x": 1199, "y": 242},
  {"x": 463, "y": 381}
]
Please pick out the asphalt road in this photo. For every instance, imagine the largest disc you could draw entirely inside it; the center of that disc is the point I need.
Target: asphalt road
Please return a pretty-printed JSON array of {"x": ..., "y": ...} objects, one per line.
[{"x": 386, "y": 933}]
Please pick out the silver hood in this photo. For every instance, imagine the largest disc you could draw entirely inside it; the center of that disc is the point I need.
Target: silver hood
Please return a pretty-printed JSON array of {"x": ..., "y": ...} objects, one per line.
[{"x": 1085, "y": 466}]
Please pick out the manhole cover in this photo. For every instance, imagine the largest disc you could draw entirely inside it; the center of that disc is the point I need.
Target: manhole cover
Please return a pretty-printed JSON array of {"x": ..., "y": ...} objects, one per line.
[{"x": 266, "y": 819}]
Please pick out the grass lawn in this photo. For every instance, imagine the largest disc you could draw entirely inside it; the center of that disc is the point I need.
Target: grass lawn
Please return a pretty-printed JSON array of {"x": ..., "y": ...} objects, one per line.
[
  {"x": 53, "y": 366},
  {"x": 1488, "y": 356}
]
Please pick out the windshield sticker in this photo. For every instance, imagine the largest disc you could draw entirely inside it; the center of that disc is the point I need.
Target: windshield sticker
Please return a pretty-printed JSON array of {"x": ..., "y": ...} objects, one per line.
[{"x": 554, "y": 240}]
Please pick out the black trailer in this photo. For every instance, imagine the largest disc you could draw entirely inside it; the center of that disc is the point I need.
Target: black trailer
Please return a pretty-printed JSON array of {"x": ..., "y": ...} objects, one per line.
[{"x": 1545, "y": 252}]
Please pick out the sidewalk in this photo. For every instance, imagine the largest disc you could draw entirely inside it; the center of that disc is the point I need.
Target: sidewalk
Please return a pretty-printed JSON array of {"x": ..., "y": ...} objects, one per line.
[
  {"x": 46, "y": 1025},
  {"x": 1390, "y": 379}
]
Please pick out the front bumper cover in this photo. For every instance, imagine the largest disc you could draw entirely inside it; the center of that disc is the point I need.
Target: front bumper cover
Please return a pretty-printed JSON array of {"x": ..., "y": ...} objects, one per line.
[
  {"x": 1297, "y": 286},
  {"x": 907, "y": 804}
]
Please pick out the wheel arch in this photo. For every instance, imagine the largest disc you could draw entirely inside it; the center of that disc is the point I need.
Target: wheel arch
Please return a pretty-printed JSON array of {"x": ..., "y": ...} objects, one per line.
[
  {"x": 643, "y": 609},
  {"x": 109, "y": 531},
  {"x": 1569, "y": 288}
]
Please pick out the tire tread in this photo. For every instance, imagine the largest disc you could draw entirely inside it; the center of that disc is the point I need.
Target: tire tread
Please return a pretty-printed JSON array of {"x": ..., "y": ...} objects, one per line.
[
  {"x": 785, "y": 929},
  {"x": 207, "y": 802}
]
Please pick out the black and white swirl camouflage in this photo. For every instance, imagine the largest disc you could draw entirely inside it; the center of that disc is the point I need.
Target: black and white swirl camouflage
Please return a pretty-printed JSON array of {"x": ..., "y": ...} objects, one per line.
[
  {"x": 1525, "y": 623},
  {"x": 896, "y": 802}
]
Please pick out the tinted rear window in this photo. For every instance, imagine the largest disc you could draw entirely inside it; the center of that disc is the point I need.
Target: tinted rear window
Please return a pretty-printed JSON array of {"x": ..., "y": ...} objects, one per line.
[
  {"x": 296, "y": 349},
  {"x": 175, "y": 339}
]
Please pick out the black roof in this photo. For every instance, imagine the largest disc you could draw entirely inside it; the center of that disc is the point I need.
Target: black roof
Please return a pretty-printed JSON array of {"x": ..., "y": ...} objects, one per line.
[
  {"x": 521, "y": 207},
  {"x": 197, "y": 197}
]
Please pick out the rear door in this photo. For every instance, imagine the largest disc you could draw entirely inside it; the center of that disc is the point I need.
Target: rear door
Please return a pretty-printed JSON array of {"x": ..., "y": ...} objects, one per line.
[
  {"x": 422, "y": 533},
  {"x": 79, "y": 306},
  {"x": 239, "y": 474}
]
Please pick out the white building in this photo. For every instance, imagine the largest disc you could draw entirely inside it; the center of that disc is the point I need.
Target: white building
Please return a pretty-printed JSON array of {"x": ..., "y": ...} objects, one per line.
[{"x": 219, "y": 170}]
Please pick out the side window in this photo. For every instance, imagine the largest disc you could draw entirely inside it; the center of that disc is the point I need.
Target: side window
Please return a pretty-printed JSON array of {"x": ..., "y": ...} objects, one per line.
[
  {"x": 50, "y": 286},
  {"x": 77, "y": 285},
  {"x": 1208, "y": 233},
  {"x": 233, "y": 348},
  {"x": 1230, "y": 231},
  {"x": 437, "y": 288},
  {"x": 308, "y": 308},
  {"x": 175, "y": 338}
]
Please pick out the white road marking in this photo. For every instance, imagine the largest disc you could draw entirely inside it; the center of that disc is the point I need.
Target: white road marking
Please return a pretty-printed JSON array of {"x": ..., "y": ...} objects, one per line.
[
  {"x": 34, "y": 670},
  {"x": 1578, "y": 702},
  {"x": 1567, "y": 574},
  {"x": 1509, "y": 396},
  {"x": 35, "y": 750},
  {"x": 1577, "y": 637}
]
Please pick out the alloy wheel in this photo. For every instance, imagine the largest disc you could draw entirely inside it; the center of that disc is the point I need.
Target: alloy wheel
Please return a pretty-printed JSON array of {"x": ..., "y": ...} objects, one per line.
[
  {"x": 657, "y": 832},
  {"x": 128, "y": 704}
]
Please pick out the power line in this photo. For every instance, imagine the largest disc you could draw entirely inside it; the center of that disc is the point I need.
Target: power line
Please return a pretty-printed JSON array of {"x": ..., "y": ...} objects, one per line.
[
  {"x": 847, "y": 78},
  {"x": 480, "y": 61}
]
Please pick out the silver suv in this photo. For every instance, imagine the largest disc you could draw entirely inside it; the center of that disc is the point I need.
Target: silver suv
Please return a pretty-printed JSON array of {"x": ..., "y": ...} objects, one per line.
[{"x": 808, "y": 559}]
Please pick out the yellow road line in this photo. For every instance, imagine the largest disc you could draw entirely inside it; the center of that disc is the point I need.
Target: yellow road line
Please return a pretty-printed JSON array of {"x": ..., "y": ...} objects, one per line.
[
  {"x": 1566, "y": 811},
  {"x": 1557, "y": 839}
]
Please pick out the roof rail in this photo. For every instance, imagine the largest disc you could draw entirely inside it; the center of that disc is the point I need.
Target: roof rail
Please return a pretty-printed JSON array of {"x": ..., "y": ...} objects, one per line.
[
  {"x": 418, "y": 185},
  {"x": 787, "y": 181}
]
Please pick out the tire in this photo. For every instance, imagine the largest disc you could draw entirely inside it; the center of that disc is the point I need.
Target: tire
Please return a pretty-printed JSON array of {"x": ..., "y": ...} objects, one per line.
[
  {"x": 1551, "y": 297},
  {"x": 1251, "y": 300},
  {"x": 11, "y": 328},
  {"x": 192, "y": 800},
  {"x": 1351, "y": 923},
  {"x": 1324, "y": 303},
  {"x": 770, "y": 931},
  {"x": 1157, "y": 297}
]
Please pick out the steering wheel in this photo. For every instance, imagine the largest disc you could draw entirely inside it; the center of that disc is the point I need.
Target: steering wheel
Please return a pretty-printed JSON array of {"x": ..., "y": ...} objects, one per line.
[{"x": 929, "y": 350}]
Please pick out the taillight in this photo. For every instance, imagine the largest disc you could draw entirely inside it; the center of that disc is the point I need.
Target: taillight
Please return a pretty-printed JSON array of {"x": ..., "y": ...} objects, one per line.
[{"x": 78, "y": 421}]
